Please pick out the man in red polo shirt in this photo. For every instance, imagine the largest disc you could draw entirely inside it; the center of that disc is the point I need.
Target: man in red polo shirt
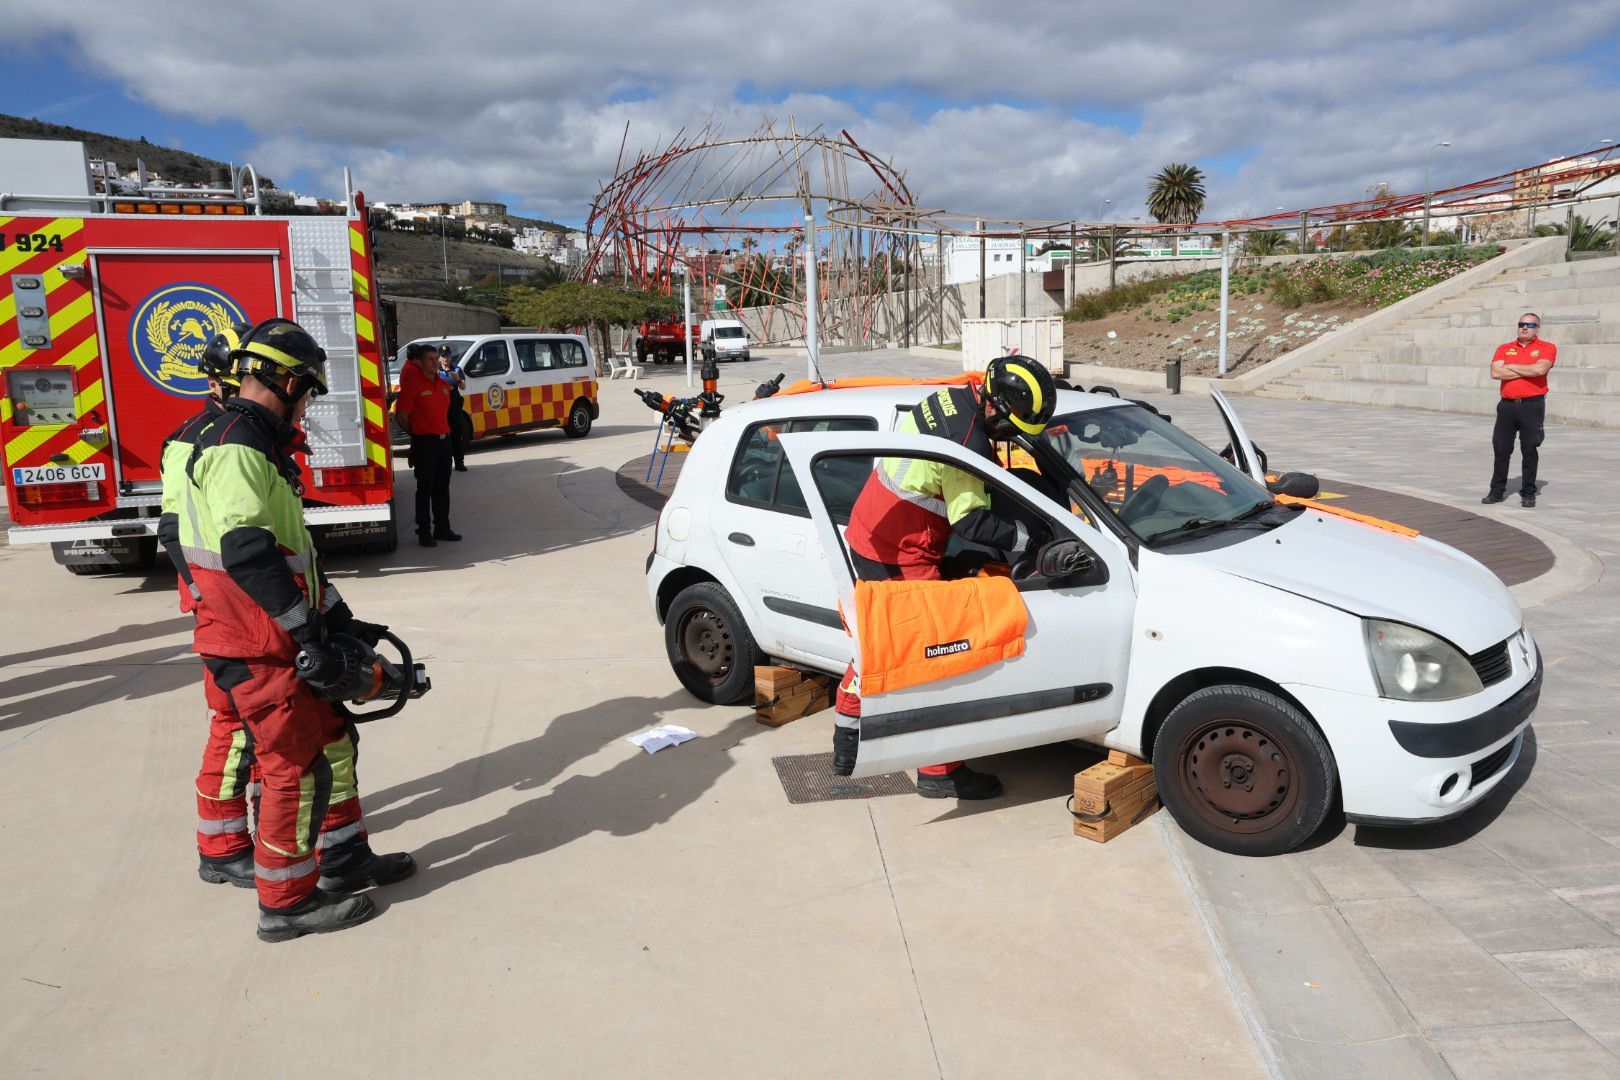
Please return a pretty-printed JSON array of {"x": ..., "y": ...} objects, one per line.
[
  {"x": 423, "y": 408},
  {"x": 1520, "y": 367}
]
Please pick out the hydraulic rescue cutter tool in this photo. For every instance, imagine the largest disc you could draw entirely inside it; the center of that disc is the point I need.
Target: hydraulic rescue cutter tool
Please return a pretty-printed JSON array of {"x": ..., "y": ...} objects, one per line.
[
  {"x": 341, "y": 668},
  {"x": 690, "y": 415}
]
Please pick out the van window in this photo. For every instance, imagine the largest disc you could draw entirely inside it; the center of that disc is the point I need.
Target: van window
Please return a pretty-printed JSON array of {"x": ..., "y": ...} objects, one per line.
[
  {"x": 760, "y": 475},
  {"x": 572, "y": 353},
  {"x": 535, "y": 355},
  {"x": 491, "y": 358}
]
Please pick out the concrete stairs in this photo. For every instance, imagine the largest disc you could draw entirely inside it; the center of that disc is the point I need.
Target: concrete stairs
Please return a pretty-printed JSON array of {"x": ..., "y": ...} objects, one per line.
[{"x": 1439, "y": 358}]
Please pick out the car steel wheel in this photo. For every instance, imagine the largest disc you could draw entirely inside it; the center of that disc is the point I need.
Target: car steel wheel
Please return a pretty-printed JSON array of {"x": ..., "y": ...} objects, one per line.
[
  {"x": 707, "y": 645},
  {"x": 1243, "y": 778}
]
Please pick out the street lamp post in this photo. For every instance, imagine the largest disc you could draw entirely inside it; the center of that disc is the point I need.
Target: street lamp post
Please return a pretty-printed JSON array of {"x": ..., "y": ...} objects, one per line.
[
  {"x": 1427, "y": 161},
  {"x": 444, "y": 250}
]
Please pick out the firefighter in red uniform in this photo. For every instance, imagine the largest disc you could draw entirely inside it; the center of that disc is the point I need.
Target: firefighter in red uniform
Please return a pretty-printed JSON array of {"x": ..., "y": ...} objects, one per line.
[
  {"x": 909, "y": 509},
  {"x": 228, "y": 774},
  {"x": 423, "y": 409},
  {"x": 262, "y": 599}
]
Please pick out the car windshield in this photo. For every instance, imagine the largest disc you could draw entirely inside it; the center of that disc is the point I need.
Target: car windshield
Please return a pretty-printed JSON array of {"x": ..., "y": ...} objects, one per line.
[
  {"x": 728, "y": 331},
  {"x": 1160, "y": 482}
]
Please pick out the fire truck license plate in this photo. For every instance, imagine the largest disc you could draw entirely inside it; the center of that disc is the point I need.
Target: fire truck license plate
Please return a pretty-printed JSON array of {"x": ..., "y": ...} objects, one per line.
[{"x": 24, "y": 475}]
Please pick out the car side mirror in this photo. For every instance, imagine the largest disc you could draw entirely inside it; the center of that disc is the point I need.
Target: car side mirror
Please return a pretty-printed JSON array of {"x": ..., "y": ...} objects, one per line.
[
  {"x": 1068, "y": 564},
  {"x": 1296, "y": 485}
]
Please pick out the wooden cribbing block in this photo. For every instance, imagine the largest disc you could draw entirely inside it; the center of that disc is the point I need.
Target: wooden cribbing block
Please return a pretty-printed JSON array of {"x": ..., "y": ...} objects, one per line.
[
  {"x": 1110, "y": 797},
  {"x": 1120, "y": 757},
  {"x": 783, "y": 694}
]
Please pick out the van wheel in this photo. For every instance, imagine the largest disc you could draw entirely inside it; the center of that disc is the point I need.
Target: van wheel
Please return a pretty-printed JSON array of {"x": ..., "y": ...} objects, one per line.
[
  {"x": 579, "y": 421},
  {"x": 709, "y": 645},
  {"x": 464, "y": 429},
  {"x": 1243, "y": 771}
]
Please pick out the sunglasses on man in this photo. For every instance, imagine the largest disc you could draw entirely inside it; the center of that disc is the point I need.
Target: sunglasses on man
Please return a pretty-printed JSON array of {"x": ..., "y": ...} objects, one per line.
[{"x": 1529, "y": 326}]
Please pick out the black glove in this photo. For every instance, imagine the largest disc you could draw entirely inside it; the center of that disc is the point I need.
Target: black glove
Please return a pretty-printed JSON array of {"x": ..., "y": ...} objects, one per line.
[
  {"x": 368, "y": 632},
  {"x": 340, "y": 620},
  {"x": 1063, "y": 559}
]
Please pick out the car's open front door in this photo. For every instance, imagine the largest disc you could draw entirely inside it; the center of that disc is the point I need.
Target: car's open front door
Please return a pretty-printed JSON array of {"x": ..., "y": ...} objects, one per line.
[
  {"x": 1245, "y": 456},
  {"x": 1069, "y": 681}
]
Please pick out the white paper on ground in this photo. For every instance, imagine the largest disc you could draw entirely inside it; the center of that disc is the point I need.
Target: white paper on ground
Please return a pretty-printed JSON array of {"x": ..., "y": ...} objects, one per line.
[{"x": 661, "y": 736}]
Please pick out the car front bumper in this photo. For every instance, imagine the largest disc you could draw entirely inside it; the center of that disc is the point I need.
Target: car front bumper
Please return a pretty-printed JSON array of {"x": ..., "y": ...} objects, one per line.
[{"x": 1415, "y": 763}]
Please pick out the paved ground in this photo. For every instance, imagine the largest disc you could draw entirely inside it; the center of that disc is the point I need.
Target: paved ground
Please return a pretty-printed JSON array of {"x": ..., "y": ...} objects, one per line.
[{"x": 586, "y": 908}]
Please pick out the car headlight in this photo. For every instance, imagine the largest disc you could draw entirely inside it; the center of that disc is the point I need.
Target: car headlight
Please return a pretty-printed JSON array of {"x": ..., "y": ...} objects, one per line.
[{"x": 1413, "y": 665}]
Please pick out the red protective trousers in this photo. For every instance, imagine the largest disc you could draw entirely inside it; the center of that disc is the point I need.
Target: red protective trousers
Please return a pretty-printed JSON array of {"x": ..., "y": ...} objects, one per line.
[
  {"x": 309, "y": 811},
  {"x": 848, "y": 702},
  {"x": 225, "y": 780}
]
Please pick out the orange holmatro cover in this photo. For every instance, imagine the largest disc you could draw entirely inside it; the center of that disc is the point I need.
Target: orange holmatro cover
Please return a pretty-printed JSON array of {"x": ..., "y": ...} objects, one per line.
[{"x": 914, "y": 632}]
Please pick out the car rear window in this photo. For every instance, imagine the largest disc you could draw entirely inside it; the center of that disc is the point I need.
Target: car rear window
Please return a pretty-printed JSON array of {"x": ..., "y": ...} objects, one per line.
[{"x": 760, "y": 475}]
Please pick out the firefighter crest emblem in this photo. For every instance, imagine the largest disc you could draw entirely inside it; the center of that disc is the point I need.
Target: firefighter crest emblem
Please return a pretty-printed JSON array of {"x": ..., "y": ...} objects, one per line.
[{"x": 170, "y": 330}]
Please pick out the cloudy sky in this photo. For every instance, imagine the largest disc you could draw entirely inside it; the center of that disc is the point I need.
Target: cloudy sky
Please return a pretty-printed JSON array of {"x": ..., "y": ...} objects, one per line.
[{"x": 1011, "y": 109}]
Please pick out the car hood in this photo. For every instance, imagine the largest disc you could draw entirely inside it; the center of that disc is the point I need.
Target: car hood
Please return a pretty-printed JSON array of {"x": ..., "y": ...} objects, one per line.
[{"x": 1378, "y": 574}]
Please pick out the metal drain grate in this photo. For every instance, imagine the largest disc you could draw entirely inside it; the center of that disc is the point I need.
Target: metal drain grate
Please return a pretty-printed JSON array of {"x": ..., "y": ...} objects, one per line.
[{"x": 808, "y": 778}]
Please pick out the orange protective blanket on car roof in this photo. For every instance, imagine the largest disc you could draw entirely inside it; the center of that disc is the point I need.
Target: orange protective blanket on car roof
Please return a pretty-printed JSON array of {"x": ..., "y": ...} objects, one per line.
[
  {"x": 809, "y": 386},
  {"x": 914, "y": 632}
]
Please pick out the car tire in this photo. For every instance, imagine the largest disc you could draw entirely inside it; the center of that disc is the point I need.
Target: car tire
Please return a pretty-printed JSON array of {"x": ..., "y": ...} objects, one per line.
[
  {"x": 1243, "y": 771},
  {"x": 709, "y": 645},
  {"x": 579, "y": 421}
]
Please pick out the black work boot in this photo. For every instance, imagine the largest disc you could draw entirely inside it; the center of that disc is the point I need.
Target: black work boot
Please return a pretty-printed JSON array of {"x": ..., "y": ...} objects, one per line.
[
  {"x": 962, "y": 783},
  {"x": 317, "y": 913},
  {"x": 446, "y": 533},
  {"x": 372, "y": 870},
  {"x": 1492, "y": 498},
  {"x": 846, "y": 740},
  {"x": 237, "y": 870}
]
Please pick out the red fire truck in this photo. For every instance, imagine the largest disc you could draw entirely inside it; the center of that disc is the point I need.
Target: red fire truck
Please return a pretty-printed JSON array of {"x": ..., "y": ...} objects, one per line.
[
  {"x": 106, "y": 303},
  {"x": 663, "y": 342}
]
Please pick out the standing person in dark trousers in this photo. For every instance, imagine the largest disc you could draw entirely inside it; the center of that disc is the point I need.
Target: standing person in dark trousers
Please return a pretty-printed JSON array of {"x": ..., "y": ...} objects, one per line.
[
  {"x": 423, "y": 408},
  {"x": 451, "y": 373},
  {"x": 1520, "y": 367}
]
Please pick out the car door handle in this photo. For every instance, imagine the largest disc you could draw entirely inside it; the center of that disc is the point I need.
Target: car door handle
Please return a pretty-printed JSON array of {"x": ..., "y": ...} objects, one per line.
[
  {"x": 511, "y": 382},
  {"x": 741, "y": 538}
]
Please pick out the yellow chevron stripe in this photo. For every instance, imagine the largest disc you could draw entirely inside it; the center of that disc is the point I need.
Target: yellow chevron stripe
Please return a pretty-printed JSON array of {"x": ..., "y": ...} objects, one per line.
[
  {"x": 83, "y": 353},
  {"x": 362, "y": 287},
  {"x": 5, "y": 405},
  {"x": 89, "y": 397},
  {"x": 24, "y": 442},
  {"x": 70, "y": 316},
  {"x": 376, "y": 453},
  {"x": 63, "y": 227},
  {"x": 374, "y": 412},
  {"x": 82, "y": 451},
  {"x": 357, "y": 243},
  {"x": 368, "y": 372},
  {"x": 363, "y": 326}
]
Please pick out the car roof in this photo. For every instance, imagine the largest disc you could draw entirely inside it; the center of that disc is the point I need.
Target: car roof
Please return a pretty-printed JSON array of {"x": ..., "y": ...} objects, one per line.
[{"x": 882, "y": 400}]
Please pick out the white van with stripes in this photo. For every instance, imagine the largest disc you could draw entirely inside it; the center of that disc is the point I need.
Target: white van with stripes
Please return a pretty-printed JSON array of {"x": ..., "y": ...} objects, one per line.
[{"x": 517, "y": 382}]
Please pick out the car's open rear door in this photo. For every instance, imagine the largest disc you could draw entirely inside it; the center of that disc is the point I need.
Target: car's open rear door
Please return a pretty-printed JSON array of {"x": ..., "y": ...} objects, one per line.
[{"x": 1069, "y": 681}]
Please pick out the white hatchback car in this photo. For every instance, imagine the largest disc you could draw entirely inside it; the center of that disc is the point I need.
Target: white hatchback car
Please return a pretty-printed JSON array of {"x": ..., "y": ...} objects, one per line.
[{"x": 1263, "y": 656}]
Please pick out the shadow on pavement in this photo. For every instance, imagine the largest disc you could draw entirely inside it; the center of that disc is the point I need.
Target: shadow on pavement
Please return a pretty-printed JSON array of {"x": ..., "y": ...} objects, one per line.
[
  {"x": 636, "y": 794},
  {"x": 512, "y": 511},
  {"x": 1472, "y": 822},
  {"x": 66, "y": 686}
]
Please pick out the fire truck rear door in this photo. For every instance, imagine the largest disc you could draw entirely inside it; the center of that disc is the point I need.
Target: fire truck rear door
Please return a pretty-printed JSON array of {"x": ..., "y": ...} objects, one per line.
[{"x": 158, "y": 310}]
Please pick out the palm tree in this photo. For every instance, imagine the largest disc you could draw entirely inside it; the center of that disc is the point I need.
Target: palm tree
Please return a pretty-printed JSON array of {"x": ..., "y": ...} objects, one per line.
[
  {"x": 1176, "y": 194},
  {"x": 1586, "y": 235},
  {"x": 1263, "y": 242}
]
